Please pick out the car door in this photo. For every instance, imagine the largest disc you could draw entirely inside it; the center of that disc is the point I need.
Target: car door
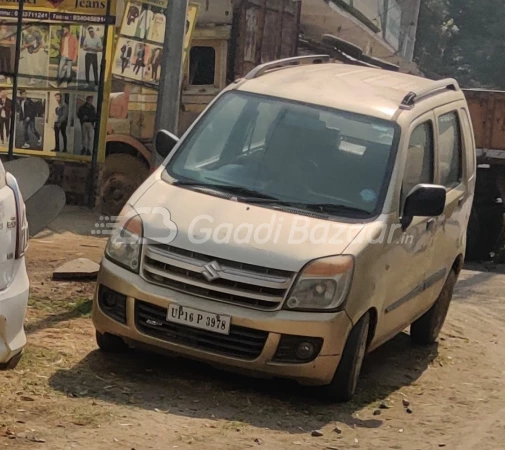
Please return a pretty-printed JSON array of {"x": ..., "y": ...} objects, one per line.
[
  {"x": 455, "y": 173},
  {"x": 409, "y": 252},
  {"x": 7, "y": 231}
]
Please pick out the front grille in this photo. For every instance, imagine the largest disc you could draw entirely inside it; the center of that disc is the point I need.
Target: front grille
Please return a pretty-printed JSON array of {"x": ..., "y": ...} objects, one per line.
[
  {"x": 238, "y": 283},
  {"x": 243, "y": 343}
]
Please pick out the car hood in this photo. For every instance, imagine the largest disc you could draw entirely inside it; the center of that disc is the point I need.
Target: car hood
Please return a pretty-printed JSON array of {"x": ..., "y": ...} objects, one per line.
[{"x": 227, "y": 229}]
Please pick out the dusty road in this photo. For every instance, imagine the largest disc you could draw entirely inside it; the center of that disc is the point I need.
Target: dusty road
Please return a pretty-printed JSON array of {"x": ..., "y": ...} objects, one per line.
[{"x": 67, "y": 395}]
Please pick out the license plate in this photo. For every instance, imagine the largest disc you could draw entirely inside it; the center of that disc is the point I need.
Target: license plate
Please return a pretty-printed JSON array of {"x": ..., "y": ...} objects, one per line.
[{"x": 199, "y": 319}]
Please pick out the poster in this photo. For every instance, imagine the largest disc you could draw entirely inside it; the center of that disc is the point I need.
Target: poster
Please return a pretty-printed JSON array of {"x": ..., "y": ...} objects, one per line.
[
  {"x": 130, "y": 59},
  {"x": 64, "y": 54},
  {"x": 86, "y": 122},
  {"x": 60, "y": 123},
  {"x": 6, "y": 111},
  {"x": 90, "y": 56},
  {"x": 139, "y": 49},
  {"x": 34, "y": 56},
  {"x": 30, "y": 119},
  {"x": 8, "y": 31}
]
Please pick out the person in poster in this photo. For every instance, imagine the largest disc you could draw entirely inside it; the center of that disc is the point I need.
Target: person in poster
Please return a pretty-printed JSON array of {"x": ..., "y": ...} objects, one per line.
[
  {"x": 145, "y": 21},
  {"x": 60, "y": 125},
  {"x": 155, "y": 63},
  {"x": 87, "y": 117},
  {"x": 92, "y": 46},
  {"x": 34, "y": 60},
  {"x": 140, "y": 61},
  {"x": 157, "y": 30},
  {"x": 5, "y": 116},
  {"x": 27, "y": 116},
  {"x": 133, "y": 14},
  {"x": 68, "y": 56},
  {"x": 126, "y": 54},
  {"x": 7, "y": 48}
]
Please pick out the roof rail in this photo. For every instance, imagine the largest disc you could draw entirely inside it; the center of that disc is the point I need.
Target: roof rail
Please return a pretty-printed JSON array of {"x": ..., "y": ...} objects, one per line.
[
  {"x": 410, "y": 99},
  {"x": 284, "y": 63}
]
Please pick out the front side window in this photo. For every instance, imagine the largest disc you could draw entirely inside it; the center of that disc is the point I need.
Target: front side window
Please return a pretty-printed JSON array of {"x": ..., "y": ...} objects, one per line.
[
  {"x": 450, "y": 149},
  {"x": 419, "y": 163},
  {"x": 288, "y": 152}
]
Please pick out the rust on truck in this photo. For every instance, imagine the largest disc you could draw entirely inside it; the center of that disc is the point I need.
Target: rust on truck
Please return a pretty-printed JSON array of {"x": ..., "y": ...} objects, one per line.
[
  {"x": 266, "y": 30},
  {"x": 487, "y": 110}
]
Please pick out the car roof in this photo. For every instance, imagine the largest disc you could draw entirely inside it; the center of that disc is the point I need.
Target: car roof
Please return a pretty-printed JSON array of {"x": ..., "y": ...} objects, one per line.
[{"x": 363, "y": 90}]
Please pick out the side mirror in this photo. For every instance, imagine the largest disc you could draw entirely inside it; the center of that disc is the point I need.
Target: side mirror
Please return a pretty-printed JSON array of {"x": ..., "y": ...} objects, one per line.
[
  {"x": 425, "y": 200},
  {"x": 165, "y": 143}
]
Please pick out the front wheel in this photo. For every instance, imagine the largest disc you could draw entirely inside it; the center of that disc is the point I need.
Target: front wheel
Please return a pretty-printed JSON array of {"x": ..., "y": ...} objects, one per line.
[
  {"x": 12, "y": 363},
  {"x": 344, "y": 383},
  {"x": 108, "y": 343},
  {"x": 425, "y": 330}
]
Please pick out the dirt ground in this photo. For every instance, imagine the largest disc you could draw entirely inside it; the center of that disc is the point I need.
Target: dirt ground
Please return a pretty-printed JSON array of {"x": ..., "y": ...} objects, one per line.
[{"x": 67, "y": 395}]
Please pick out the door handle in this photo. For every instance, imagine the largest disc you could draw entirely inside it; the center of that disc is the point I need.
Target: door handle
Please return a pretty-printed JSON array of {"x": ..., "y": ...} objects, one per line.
[
  {"x": 430, "y": 224},
  {"x": 460, "y": 202}
]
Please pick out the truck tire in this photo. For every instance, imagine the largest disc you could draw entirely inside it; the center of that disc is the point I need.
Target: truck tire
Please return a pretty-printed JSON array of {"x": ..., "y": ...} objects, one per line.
[
  {"x": 345, "y": 380},
  {"x": 122, "y": 176},
  {"x": 425, "y": 330}
]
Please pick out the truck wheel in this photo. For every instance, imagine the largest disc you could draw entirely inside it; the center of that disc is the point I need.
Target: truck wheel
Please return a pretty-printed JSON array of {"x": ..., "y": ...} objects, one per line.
[
  {"x": 345, "y": 380},
  {"x": 425, "y": 330},
  {"x": 122, "y": 176},
  {"x": 109, "y": 343}
]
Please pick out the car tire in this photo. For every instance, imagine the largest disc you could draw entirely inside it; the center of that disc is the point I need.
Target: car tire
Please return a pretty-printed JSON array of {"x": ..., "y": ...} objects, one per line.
[
  {"x": 109, "y": 343},
  {"x": 12, "y": 363},
  {"x": 343, "y": 386},
  {"x": 425, "y": 330}
]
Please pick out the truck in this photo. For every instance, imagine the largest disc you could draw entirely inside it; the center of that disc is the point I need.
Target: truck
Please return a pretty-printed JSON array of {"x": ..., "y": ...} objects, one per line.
[{"x": 486, "y": 226}]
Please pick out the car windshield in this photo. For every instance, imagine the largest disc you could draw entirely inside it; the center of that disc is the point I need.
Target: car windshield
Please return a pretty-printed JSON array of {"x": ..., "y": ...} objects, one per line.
[{"x": 273, "y": 151}]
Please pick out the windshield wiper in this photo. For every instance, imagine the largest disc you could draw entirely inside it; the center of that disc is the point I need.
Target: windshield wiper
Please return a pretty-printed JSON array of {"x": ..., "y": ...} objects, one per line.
[
  {"x": 323, "y": 208},
  {"x": 228, "y": 188},
  {"x": 331, "y": 208}
]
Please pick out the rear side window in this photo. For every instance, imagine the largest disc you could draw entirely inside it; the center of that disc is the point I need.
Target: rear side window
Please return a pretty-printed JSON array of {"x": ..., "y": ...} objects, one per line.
[
  {"x": 469, "y": 142},
  {"x": 450, "y": 149},
  {"x": 419, "y": 164}
]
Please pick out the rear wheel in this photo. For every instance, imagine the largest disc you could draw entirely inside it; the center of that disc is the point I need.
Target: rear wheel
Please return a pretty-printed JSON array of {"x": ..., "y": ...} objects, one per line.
[
  {"x": 425, "y": 330},
  {"x": 109, "y": 343},
  {"x": 344, "y": 383},
  {"x": 122, "y": 176}
]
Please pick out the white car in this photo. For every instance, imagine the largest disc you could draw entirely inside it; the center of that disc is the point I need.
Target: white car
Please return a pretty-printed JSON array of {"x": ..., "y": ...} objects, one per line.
[{"x": 14, "y": 284}]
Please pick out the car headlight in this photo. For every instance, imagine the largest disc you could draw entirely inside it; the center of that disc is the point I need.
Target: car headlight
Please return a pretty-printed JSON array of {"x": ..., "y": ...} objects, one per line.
[
  {"x": 125, "y": 243},
  {"x": 322, "y": 284}
]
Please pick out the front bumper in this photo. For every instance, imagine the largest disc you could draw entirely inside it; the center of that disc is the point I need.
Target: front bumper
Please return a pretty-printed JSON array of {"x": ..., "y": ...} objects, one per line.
[
  {"x": 13, "y": 304},
  {"x": 333, "y": 328}
]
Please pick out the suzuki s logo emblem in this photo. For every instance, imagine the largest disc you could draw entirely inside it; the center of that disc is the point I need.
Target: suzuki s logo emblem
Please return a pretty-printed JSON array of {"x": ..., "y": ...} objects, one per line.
[{"x": 211, "y": 271}]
